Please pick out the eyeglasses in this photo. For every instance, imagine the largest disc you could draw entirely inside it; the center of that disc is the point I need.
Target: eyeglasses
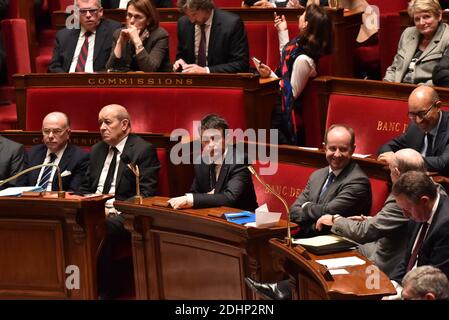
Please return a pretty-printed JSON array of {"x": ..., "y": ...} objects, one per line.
[
  {"x": 421, "y": 114},
  {"x": 56, "y": 132},
  {"x": 136, "y": 16},
  {"x": 91, "y": 11}
]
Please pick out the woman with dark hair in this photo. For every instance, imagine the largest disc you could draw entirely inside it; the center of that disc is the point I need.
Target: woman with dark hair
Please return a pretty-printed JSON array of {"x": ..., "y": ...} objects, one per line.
[
  {"x": 142, "y": 45},
  {"x": 298, "y": 63}
]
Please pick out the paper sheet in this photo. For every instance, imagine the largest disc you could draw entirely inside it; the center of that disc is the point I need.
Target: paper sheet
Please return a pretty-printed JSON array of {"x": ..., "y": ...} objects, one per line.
[
  {"x": 337, "y": 263},
  {"x": 265, "y": 218},
  {"x": 17, "y": 191},
  {"x": 338, "y": 271},
  {"x": 318, "y": 240}
]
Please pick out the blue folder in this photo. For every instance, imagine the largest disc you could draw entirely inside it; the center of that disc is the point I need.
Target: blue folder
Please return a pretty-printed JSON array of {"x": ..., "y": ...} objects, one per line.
[{"x": 240, "y": 217}]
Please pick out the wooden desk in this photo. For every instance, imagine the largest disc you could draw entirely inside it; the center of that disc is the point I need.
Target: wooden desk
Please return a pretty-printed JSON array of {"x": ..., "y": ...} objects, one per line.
[
  {"x": 193, "y": 254},
  {"x": 345, "y": 27},
  {"x": 41, "y": 237},
  {"x": 312, "y": 281}
]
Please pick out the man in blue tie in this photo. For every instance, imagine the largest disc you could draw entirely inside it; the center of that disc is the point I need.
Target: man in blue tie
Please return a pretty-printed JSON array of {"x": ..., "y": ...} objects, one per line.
[
  {"x": 56, "y": 149},
  {"x": 341, "y": 188}
]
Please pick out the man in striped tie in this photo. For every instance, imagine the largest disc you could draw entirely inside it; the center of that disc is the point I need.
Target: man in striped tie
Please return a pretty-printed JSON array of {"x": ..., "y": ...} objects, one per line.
[
  {"x": 428, "y": 233},
  {"x": 85, "y": 48},
  {"x": 56, "y": 149}
]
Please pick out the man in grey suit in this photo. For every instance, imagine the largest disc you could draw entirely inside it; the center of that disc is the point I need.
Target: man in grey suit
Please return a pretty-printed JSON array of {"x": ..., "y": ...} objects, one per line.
[
  {"x": 210, "y": 39},
  {"x": 341, "y": 188},
  {"x": 86, "y": 49},
  {"x": 428, "y": 132},
  {"x": 11, "y": 160},
  {"x": 382, "y": 235}
]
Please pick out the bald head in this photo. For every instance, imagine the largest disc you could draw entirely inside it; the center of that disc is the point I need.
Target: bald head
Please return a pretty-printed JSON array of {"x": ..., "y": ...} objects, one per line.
[
  {"x": 423, "y": 108},
  {"x": 406, "y": 160},
  {"x": 423, "y": 95},
  {"x": 115, "y": 123},
  {"x": 56, "y": 131}
]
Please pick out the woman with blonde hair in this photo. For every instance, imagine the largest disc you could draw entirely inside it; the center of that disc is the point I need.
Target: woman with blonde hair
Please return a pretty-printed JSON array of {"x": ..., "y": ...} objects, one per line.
[{"x": 421, "y": 47}]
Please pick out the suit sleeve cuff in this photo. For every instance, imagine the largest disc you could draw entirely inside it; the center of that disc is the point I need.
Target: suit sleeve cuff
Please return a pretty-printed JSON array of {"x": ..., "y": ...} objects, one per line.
[{"x": 189, "y": 198}]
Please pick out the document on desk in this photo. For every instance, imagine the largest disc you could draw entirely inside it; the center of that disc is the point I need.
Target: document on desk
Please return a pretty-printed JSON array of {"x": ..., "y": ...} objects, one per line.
[
  {"x": 338, "y": 263},
  {"x": 17, "y": 191}
]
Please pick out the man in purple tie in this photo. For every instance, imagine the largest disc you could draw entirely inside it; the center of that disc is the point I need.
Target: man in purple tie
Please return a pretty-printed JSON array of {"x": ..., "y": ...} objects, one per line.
[
  {"x": 210, "y": 40},
  {"x": 428, "y": 231}
]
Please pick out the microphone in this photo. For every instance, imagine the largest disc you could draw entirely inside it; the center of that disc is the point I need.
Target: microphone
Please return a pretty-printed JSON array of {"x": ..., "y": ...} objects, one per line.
[
  {"x": 61, "y": 193},
  {"x": 135, "y": 169},
  {"x": 288, "y": 239}
]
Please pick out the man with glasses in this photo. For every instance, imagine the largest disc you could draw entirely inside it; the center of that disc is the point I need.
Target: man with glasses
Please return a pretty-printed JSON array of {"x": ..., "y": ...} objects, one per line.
[
  {"x": 428, "y": 132},
  {"x": 84, "y": 49},
  {"x": 210, "y": 40},
  {"x": 56, "y": 149}
]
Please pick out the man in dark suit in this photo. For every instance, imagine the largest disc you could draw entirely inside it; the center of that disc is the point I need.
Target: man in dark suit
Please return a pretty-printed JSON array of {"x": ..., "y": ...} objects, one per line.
[
  {"x": 210, "y": 39},
  {"x": 85, "y": 49},
  {"x": 11, "y": 160},
  {"x": 114, "y": 4},
  {"x": 72, "y": 160},
  {"x": 341, "y": 188},
  {"x": 108, "y": 173},
  {"x": 118, "y": 143},
  {"x": 428, "y": 133},
  {"x": 428, "y": 233},
  {"x": 221, "y": 177}
]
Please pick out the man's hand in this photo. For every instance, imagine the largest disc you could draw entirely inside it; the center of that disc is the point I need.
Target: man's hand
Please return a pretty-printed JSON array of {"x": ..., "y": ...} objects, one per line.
[
  {"x": 324, "y": 220},
  {"x": 180, "y": 202},
  {"x": 386, "y": 157},
  {"x": 193, "y": 68},
  {"x": 179, "y": 62}
]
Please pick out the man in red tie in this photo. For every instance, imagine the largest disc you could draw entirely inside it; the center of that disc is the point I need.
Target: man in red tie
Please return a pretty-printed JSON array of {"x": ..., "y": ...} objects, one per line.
[
  {"x": 428, "y": 234},
  {"x": 84, "y": 48}
]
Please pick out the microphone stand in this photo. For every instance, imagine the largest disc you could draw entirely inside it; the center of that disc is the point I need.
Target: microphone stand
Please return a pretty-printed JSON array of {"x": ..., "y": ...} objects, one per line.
[
  {"x": 61, "y": 193},
  {"x": 288, "y": 239},
  {"x": 135, "y": 169}
]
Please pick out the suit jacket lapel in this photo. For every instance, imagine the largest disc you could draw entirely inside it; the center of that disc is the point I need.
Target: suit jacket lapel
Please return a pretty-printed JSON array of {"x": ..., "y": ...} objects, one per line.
[
  {"x": 99, "y": 39},
  {"x": 97, "y": 165},
  {"x": 221, "y": 177},
  {"x": 71, "y": 46},
  {"x": 413, "y": 43},
  {"x": 63, "y": 163},
  {"x": 190, "y": 40},
  {"x": 214, "y": 38},
  {"x": 128, "y": 149},
  {"x": 320, "y": 181},
  {"x": 442, "y": 134},
  {"x": 39, "y": 159}
]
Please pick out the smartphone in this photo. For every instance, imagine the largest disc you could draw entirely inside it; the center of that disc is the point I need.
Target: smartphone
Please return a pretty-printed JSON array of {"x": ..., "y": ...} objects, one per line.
[{"x": 256, "y": 61}]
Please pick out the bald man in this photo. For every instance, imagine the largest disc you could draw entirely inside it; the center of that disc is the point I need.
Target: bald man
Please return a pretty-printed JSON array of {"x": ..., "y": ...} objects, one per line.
[
  {"x": 109, "y": 174},
  {"x": 427, "y": 133},
  {"x": 115, "y": 129},
  {"x": 56, "y": 149}
]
